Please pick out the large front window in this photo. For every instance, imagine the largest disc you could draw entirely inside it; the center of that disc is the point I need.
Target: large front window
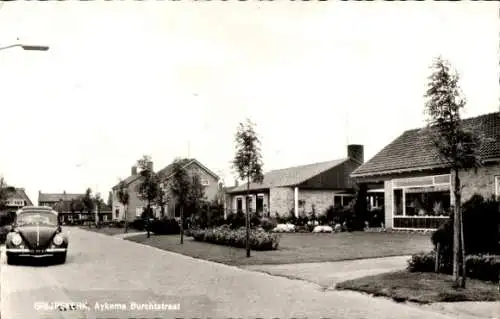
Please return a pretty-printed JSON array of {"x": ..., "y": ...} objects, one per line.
[{"x": 422, "y": 202}]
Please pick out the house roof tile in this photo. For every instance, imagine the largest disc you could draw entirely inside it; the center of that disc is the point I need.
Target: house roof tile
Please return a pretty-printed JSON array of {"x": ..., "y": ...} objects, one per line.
[
  {"x": 415, "y": 150},
  {"x": 290, "y": 176},
  {"x": 54, "y": 197}
]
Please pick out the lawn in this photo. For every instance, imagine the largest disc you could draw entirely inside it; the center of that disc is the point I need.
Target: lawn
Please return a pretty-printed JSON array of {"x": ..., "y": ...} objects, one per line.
[
  {"x": 421, "y": 287},
  {"x": 110, "y": 230},
  {"x": 299, "y": 247}
]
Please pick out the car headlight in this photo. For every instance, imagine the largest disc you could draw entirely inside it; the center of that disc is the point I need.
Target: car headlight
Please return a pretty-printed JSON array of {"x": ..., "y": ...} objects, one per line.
[
  {"x": 17, "y": 240},
  {"x": 58, "y": 239}
]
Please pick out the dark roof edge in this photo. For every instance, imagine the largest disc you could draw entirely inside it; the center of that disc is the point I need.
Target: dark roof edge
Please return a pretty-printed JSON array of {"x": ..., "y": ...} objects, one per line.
[
  {"x": 395, "y": 171},
  {"x": 341, "y": 161}
]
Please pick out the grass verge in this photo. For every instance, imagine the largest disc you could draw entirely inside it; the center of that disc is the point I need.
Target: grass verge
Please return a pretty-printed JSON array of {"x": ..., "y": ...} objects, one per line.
[{"x": 424, "y": 288}]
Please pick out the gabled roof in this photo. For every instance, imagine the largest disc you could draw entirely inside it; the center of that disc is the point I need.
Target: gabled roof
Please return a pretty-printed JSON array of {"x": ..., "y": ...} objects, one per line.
[
  {"x": 290, "y": 176},
  {"x": 20, "y": 193},
  {"x": 54, "y": 197},
  {"x": 166, "y": 172},
  {"x": 414, "y": 149}
]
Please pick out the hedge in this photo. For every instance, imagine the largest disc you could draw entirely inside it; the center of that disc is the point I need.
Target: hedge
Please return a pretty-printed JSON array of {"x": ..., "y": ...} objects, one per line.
[
  {"x": 482, "y": 267},
  {"x": 224, "y": 235}
]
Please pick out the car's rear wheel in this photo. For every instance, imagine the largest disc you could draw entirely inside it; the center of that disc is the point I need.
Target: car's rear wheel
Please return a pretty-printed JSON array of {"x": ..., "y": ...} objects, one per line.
[
  {"x": 60, "y": 258},
  {"x": 12, "y": 260}
]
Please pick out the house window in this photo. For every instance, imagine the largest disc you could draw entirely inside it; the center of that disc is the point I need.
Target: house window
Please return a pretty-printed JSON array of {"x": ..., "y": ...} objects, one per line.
[
  {"x": 398, "y": 202},
  {"x": 337, "y": 201},
  {"x": 117, "y": 213},
  {"x": 138, "y": 212},
  {"x": 205, "y": 182},
  {"x": 427, "y": 202},
  {"x": 497, "y": 187}
]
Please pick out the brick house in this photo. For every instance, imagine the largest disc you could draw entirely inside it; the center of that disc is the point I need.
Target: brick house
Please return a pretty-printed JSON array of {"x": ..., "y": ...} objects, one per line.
[
  {"x": 208, "y": 179},
  {"x": 298, "y": 188},
  {"x": 62, "y": 203},
  {"x": 413, "y": 185},
  {"x": 17, "y": 199}
]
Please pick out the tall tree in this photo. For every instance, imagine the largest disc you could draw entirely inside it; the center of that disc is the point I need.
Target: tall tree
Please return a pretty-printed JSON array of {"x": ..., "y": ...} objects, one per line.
[
  {"x": 179, "y": 185},
  {"x": 248, "y": 164},
  {"x": 5, "y": 192},
  {"x": 109, "y": 203},
  {"x": 123, "y": 197},
  {"x": 161, "y": 201},
  {"x": 149, "y": 187},
  {"x": 88, "y": 203},
  {"x": 457, "y": 146},
  {"x": 99, "y": 204},
  {"x": 196, "y": 194}
]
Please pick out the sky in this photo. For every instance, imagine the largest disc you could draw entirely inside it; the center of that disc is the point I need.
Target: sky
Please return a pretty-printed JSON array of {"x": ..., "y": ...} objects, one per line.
[{"x": 174, "y": 78}]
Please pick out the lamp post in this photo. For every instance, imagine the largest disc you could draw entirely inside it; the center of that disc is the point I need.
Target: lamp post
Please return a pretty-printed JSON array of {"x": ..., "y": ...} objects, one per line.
[{"x": 27, "y": 47}]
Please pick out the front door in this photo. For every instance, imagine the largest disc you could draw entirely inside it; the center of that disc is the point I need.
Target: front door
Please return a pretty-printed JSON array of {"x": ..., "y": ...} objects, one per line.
[
  {"x": 239, "y": 205},
  {"x": 260, "y": 204}
]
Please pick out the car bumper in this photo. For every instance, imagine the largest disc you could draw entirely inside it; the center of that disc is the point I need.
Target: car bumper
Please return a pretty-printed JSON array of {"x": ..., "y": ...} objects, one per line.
[{"x": 32, "y": 253}]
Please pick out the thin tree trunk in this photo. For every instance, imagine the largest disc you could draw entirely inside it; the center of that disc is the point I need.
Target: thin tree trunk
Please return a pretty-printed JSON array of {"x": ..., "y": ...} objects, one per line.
[
  {"x": 462, "y": 249},
  {"x": 456, "y": 230},
  {"x": 182, "y": 224},
  {"x": 247, "y": 219},
  {"x": 148, "y": 220},
  {"x": 126, "y": 217}
]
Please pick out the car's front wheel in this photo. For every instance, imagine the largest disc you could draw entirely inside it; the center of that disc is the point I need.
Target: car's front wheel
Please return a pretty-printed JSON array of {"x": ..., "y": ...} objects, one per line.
[{"x": 60, "y": 258}]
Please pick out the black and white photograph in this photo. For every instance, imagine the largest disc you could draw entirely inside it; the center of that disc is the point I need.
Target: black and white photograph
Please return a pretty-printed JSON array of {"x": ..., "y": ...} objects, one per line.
[{"x": 250, "y": 159}]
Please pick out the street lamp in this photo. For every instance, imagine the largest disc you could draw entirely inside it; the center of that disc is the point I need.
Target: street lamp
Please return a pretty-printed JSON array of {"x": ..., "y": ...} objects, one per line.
[{"x": 27, "y": 47}]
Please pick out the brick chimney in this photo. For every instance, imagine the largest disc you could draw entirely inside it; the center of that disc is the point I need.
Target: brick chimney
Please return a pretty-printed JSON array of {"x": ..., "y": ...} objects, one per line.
[
  {"x": 150, "y": 166},
  {"x": 236, "y": 183},
  {"x": 134, "y": 170},
  {"x": 356, "y": 152}
]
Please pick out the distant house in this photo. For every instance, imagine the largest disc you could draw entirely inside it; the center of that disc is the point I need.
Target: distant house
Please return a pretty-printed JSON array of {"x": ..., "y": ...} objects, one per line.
[
  {"x": 16, "y": 200},
  {"x": 297, "y": 189},
  {"x": 414, "y": 186},
  {"x": 208, "y": 179},
  {"x": 62, "y": 203}
]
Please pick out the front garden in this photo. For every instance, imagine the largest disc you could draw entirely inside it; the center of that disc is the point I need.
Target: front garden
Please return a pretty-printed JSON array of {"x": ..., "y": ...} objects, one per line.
[{"x": 428, "y": 275}]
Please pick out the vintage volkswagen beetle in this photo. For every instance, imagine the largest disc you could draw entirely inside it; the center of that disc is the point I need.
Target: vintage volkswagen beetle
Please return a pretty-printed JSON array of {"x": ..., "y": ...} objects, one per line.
[{"x": 36, "y": 232}]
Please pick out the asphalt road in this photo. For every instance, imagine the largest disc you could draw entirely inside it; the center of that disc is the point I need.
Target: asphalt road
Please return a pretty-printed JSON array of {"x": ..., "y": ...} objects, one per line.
[{"x": 105, "y": 271}]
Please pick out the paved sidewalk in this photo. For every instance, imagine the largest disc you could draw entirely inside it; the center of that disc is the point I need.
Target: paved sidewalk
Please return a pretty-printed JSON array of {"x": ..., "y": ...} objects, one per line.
[{"x": 328, "y": 274}]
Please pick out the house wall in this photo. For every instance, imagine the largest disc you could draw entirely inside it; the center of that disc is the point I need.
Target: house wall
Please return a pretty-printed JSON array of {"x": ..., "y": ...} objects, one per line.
[
  {"x": 281, "y": 200},
  {"x": 481, "y": 182},
  {"x": 133, "y": 204},
  {"x": 322, "y": 199},
  {"x": 212, "y": 187},
  {"x": 233, "y": 199}
]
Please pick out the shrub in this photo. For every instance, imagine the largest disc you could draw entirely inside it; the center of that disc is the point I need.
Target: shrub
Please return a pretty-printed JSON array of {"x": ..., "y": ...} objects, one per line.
[
  {"x": 165, "y": 226},
  {"x": 224, "y": 235},
  {"x": 482, "y": 267},
  {"x": 137, "y": 224},
  {"x": 479, "y": 217},
  {"x": 236, "y": 220},
  {"x": 3, "y": 234},
  {"x": 6, "y": 219},
  {"x": 267, "y": 224},
  {"x": 422, "y": 262}
]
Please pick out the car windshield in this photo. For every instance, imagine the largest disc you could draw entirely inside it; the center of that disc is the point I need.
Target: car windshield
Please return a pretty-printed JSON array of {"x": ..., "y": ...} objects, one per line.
[{"x": 36, "y": 218}]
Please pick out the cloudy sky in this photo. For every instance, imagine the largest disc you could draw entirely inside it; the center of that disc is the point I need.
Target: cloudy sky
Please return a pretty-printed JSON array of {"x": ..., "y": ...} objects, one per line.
[{"x": 126, "y": 78}]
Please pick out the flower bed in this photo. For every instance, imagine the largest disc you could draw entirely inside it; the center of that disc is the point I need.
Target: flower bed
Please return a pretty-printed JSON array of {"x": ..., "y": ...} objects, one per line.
[{"x": 259, "y": 240}]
